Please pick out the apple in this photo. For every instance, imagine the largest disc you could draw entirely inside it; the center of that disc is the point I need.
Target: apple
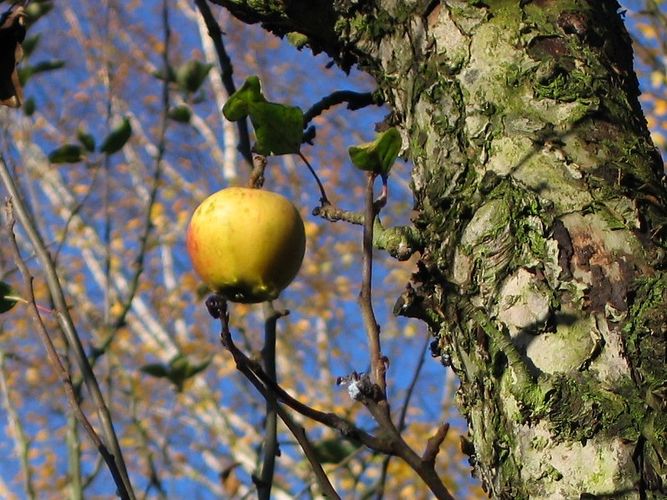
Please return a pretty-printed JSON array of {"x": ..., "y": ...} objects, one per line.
[{"x": 246, "y": 244}]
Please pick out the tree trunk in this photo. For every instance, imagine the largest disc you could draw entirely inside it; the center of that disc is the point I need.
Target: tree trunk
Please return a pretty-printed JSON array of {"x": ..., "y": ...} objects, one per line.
[{"x": 542, "y": 213}]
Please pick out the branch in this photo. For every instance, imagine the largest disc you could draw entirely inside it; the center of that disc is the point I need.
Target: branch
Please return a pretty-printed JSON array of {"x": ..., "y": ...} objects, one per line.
[
  {"x": 401, "y": 242},
  {"x": 270, "y": 449},
  {"x": 226, "y": 73},
  {"x": 161, "y": 146},
  {"x": 65, "y": 321},
  {"x": 21, "y": 440},
  {"x": 354, "y": 100},
  {"x": 57, "y": 363},
  {"x": 378, "y": 361},
  {"x": 375, "y": 400},
  {"x": 300, "y": 435},
  {"x": 404, "y": 412},
  {"x": 255, "y": 374},
  {"x": 324, "y": 200}
]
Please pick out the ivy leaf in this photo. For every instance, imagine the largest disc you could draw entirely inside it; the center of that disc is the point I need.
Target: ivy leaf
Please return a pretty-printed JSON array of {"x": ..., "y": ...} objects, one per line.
[
  {"x": 117, "y": 138},
  {"x": 278, "y": 128},
  {"x": 191, "y": 75},
  {"x": 180, "y": 114},
  {"x": 86, "y": 140},
  {"x": 8, "y": 297},
  {"x": 67, "y": 153},
  {"x": 379, "y": 155},
  {"x": 237, "y": 106}
]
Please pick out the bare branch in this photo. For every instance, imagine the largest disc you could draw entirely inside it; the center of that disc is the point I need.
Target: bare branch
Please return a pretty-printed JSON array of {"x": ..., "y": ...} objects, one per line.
[
  {"x": 226, "y": 73},
  {"x": 54, "y": 358}
]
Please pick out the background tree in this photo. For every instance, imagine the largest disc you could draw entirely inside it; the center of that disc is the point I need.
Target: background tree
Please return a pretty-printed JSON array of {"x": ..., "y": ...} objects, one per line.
[{"x": 538, "y": 210}]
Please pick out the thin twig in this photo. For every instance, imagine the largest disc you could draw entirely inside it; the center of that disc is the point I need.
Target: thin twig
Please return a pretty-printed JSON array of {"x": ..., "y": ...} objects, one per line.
[
  {"x": 299, "y": 434},
  {"x": 354, "y": 100},
  {"x": 226, "y": 73},
  {"x": 324, "y": 200},
  {"x": 74, "y": 211},
  {"x": 403, "y": 413},
  {"x": 106, "y": 165},
  {"x": 157, "y": 176},
  {"x": 377, "y": 361},
  {"x": 21, "y": 440},
  {"x": 256, "y": 375},
  {"x": 55, "y": 360},
  {"x": 375, "y": 397}
]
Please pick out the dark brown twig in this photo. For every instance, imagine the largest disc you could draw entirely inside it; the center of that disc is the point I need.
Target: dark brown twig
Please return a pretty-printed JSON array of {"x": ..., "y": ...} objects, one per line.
[
  {"x": 324, "y": 200},
  {"x": 404, "y": 411},
  {"x": 354, "y": 100},
  {"x": 254, "y": 372},
  {"x": 270, "y": 448},
  {"x": 375, "y": 399},
  {"x": 378, "y": 362}
]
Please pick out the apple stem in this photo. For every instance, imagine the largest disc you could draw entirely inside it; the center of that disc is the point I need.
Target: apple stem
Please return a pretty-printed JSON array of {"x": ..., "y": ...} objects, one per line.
[{"x": 256, "y": 180}]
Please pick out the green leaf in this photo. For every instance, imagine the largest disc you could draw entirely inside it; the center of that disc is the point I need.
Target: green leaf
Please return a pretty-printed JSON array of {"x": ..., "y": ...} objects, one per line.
[
  {"x": 379, "y": 155},
  {"x": 44, "y": 66},
  {"x": 29, "y": 44},
  {"x": 298, "y": 40},
  {"x": 180, "y": 114},
  {"x": 26, "y": 72},
  {"x": 8, "y": 297},
  {"x": 278, "y": 128},
  {"x": 181, "y": 369},
  {"x": 334, "y": 450},
  {"x": 29, "y": 106},
  {"x": 86, "y": 140},
  {"x": 236, "y": 107},
  {"x": 191, "y": 75},
  {"x": 170, "y": 74},
  {"x": 117, "y": 138},
  {"x": 157, "y": 370},
  {"x": 193, "y": 370},
  {"x": 67, "y": 153}
]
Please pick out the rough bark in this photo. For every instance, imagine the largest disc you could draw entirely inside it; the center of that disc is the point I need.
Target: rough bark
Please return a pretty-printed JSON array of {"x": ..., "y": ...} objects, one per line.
[{"x": 540, "y": 201}]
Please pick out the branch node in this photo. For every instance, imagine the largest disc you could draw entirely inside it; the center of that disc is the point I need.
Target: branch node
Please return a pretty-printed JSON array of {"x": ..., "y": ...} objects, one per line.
[{"x": 434, "y": 442}]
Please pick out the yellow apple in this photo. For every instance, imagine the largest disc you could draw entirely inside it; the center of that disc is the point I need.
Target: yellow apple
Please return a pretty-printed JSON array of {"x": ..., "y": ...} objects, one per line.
[{"x": 246, "y": 244}]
